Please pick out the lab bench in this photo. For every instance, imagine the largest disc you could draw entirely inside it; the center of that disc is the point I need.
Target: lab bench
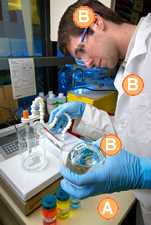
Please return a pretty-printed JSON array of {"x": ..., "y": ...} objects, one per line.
[{"x": 10, "y": 214}]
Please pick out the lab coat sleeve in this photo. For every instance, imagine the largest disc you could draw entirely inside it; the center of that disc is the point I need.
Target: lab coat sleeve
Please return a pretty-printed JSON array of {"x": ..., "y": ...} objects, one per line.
[{"x": 94, "y": 123}]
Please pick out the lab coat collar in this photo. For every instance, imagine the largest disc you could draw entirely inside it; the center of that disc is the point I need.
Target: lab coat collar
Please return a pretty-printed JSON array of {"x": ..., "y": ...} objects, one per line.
[
  {"x": 138, "y": 43},
  {"x": 137, "y": 46}
]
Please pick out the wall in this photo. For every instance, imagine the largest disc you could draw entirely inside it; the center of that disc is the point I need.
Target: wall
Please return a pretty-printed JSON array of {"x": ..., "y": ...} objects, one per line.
[{"x": 57, "y": 9}]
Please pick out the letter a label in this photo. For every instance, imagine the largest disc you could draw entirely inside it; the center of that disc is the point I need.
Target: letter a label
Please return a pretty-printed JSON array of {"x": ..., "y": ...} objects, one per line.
[{"x": 107, "y": 208}]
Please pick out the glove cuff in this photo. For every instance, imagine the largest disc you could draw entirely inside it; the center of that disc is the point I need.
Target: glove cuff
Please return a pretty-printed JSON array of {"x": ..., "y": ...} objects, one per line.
[{"x": 146, "y": 173}]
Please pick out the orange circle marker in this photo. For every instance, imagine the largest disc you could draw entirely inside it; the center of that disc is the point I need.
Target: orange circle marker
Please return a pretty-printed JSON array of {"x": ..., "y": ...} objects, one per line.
[
  {"x": 83, "y": 17},
  {"x": 133, "y": 84},
  {"x": 108, "y": 208},
  {"x": 111, "y": 145}
]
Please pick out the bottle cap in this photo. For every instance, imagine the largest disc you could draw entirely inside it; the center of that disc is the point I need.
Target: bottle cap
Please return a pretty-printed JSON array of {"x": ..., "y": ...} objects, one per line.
[
  {"x": 49, "y": 202},
  {"x": 60, "y": 95},
  {"x": 41, "y": 94},
  {"x": 50, "y": 94},
  {"x": 62, "y": 195},
  {"x": 25, "y": 114}
]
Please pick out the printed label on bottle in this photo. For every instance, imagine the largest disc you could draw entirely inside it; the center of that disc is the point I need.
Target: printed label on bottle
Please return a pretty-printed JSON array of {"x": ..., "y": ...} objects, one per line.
[{"x": 50, "y": 220}]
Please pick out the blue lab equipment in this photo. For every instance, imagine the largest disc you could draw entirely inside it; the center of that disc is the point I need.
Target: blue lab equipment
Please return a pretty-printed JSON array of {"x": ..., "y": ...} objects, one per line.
[
  {"x": 65, "y": 79},
  {"x": 92, "y": 78},
  {"x": 70, "y": 78}
]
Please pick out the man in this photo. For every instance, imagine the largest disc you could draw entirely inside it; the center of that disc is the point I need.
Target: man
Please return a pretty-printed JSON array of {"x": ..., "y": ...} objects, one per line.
[{"x": 106, "y": 42}]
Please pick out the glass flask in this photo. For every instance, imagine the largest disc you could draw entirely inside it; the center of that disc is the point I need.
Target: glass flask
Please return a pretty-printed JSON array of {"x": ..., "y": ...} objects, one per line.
[
  {"x": 31, "y": 144},
  {"x": 83, "y": 157}
]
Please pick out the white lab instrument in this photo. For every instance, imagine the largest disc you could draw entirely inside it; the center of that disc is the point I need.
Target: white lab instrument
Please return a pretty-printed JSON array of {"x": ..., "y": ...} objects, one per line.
[{"x": 25, "y": 186}]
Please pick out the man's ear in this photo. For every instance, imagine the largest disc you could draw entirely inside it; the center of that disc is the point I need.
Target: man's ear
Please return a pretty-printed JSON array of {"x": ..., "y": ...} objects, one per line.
[{"x": 99, "y": 24}]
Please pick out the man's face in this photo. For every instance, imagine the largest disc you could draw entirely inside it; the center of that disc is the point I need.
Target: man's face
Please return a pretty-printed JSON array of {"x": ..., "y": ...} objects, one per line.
[{"x": 98, "y": 49}]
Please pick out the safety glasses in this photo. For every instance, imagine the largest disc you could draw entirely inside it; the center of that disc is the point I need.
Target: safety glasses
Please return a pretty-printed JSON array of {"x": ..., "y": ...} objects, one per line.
[{"x": 80, "y": 49}]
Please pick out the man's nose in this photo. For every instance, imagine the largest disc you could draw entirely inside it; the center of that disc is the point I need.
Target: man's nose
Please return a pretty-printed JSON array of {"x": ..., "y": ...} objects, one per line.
[{"x": 88, "y": 62}]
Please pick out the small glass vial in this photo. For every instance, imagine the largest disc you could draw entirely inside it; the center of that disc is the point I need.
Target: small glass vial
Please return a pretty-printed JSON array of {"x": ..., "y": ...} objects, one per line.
[
  {"x": 63, "y": 204},
  {"x": 49, "y": 210},
  {"x": 74, "y": 203}
]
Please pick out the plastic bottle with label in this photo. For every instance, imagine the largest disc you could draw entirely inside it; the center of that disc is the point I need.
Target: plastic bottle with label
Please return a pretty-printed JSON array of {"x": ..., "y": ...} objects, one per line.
[
  {"x": 51, "y": 101},
  {"x": 63, "y": 204},
  {"x": 61, "y": 99},
  {"x": 49, "y": 210}
]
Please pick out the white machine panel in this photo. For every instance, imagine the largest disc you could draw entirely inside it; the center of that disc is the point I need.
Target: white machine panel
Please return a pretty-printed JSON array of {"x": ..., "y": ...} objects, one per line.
[{"x": 27, "y": 184}]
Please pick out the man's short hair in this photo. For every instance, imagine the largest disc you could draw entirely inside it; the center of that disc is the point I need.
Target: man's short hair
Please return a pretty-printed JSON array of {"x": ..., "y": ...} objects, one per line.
[{"x": 67, "y": 27}]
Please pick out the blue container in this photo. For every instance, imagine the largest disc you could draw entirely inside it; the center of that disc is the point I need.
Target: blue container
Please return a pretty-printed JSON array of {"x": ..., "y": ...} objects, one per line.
[
  {"x": 65, "y": 79},
  {"x": 78, "y": 78},
  {"x": 93, "y": 79},
  {"x": 95, "y": 76}
]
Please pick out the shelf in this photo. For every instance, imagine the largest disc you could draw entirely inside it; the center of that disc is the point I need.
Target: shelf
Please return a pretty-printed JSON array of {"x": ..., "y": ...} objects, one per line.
[{"x": 41, "y": 62}]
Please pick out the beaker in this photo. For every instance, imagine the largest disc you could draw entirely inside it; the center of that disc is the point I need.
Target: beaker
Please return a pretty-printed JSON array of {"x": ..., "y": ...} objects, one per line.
[
  {"x": 83, "y": 157},
  {"x": 31, "y": 146}
]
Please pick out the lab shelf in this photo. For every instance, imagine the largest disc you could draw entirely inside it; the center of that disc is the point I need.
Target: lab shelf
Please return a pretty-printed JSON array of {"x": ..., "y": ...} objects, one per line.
[{"x": 41, "y": 62}]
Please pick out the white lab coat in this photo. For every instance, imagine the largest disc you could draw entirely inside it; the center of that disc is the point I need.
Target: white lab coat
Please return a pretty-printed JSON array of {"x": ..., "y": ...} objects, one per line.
[{"x": 132, "y": 120}]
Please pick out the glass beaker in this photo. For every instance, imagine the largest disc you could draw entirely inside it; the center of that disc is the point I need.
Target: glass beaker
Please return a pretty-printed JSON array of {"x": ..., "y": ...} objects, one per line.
[
  {"x": 31, "y": 145},
  {"x": 84, "y": 156}
]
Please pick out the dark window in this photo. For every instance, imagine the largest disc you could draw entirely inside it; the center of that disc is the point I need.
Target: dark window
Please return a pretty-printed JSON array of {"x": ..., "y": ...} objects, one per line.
[
  {"x": 20, "y": 29},
  {"x": 1, "y": 14}
]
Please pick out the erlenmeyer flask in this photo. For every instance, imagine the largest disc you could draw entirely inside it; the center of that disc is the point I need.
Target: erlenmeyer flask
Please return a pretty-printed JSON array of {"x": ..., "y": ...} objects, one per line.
[{"x": 31, "y": 144}]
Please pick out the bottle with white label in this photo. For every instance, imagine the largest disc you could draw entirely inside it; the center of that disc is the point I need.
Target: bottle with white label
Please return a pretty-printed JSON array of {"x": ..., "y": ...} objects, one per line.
[
  {"x": 61, "y": 99},
  {"x": 51, "y": 101}
]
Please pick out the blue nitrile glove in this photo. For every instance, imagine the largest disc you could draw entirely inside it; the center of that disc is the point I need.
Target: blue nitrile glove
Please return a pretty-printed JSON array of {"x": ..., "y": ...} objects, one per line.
[
  {"x": 73, "y": 109},
  {"x": 123, "y": 171},
  {"x": 60, "y": 125}
]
